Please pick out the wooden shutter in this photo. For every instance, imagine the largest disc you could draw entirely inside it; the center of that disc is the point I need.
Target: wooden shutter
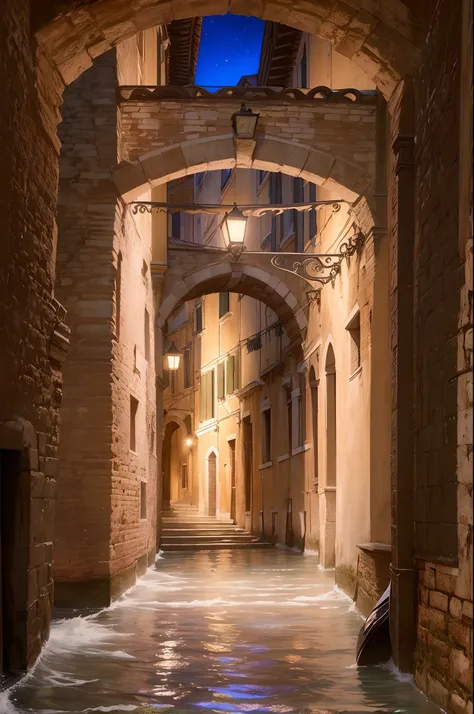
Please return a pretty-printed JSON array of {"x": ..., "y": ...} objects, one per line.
[
  {"x": 202, "y": 398},
  {"x": 210, "y": 394},
  {"x": 229, "y": 386},
  {"x": 220, "y": 381}
]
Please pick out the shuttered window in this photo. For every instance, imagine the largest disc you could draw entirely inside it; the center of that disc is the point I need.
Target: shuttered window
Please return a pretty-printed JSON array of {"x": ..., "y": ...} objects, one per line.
[
  {"x": 230, "y": 375},
  {"x": 224, "y": 304},
  {"x": 221, "y": 380},
  {"x": 207, "y": 396},
  {"x": 187, "y": 368}
]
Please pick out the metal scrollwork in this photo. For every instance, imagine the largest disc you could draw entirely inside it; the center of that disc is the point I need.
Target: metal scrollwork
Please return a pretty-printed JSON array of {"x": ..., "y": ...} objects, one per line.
[
  {"x": 256, "y": 211},
  {"x": 318, "y": 268}
]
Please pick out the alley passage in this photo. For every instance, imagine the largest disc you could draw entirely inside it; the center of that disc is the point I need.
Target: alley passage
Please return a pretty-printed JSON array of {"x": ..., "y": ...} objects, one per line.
[{"x": 254, "y": 631}]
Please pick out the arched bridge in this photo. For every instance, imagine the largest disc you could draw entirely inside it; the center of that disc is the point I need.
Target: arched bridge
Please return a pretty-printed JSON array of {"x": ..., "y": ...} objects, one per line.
[{"x": 327, "y": 137}]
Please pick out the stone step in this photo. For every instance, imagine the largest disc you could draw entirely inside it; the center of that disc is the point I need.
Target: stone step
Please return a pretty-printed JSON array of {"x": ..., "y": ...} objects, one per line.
[
  {"x": 234, "y": 538},
  {"x": 199, "y": 545},
  {"x": 216, "y": 530}
]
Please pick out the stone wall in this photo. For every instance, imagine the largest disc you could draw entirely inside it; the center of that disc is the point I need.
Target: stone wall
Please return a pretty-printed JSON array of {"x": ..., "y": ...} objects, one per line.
[
  {"x": 87, "y": 220},
  {"x": 103, "y": 277},
  {"x": 32, "y": 338},
  {"x": 443, "y": 361}
]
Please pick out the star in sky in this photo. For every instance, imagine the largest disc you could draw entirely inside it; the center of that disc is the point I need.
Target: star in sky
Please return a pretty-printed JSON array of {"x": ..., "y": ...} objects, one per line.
[{"x": 230, "y": 48}]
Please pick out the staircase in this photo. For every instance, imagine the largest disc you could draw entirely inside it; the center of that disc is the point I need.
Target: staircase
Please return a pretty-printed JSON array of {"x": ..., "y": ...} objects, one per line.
[{"x": 185, "y": 529}]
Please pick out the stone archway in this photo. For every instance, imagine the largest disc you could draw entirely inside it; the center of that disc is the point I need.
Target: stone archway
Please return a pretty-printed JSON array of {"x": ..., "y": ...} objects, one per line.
[
  {"x": 173, "y": 423},
  {"x": 183, "y": 282},
  {"x": 382, "y": 40}
]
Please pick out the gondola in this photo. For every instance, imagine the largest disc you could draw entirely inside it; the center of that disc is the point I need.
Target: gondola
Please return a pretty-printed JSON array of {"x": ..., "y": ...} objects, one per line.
[{"x": 373, "y": 644}]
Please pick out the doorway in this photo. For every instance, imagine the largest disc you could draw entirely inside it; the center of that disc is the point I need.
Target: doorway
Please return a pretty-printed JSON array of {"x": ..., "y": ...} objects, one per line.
[
  {"x": 14, "y": 517},
  {"x": 328, "y": 551},
  {"x": 248, "y": 446},
  {"x": 212, "y": 484},
  {"x": 233, "y": 498}
]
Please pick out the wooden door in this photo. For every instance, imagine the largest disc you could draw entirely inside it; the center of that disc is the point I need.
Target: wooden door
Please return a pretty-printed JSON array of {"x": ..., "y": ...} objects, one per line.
[
  {"x": 233, "y": 499},
  {"x": 247, "y": 433},
  {"x": 212, "y": 484}
]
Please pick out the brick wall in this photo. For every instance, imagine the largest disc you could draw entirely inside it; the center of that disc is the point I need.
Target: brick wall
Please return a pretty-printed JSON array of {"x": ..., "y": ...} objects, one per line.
[
  {"x": 103, "y": 279},
  {"x": 85, "y": 284},
  {"x": 443, "y": 364},
  {"x": 439, "y": 276},
  {"x": 30, "y": 379}
]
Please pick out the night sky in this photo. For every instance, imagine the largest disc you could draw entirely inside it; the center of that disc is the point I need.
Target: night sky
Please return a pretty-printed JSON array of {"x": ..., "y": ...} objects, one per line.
[{"x": 230, "y": 47}]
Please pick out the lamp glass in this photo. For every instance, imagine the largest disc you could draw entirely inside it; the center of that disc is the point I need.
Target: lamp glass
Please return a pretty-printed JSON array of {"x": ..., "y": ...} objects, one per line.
[
  {"x": 189, "y": 441},
  {"x": 245, "y": 124},
  {"x": 173, "y": 361},
  {"x": 234, "y": 225}
]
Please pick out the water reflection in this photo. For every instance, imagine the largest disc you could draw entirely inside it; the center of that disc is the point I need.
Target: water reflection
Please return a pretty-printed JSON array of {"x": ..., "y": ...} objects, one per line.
[{"x": 261, "y": 631}]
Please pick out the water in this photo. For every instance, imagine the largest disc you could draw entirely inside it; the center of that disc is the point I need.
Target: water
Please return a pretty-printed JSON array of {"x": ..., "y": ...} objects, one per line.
[{"x": 249, "y": 631}]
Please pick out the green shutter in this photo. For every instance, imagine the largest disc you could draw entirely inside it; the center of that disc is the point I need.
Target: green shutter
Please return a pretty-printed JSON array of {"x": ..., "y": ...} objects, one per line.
[
  {"x": 202, "y": 396},
  {"x": 237, "y": 370},
  {"x": 229, "y": 387},
  {"x": 220, "y": 381},
  {"x": 210, "y": 394}
]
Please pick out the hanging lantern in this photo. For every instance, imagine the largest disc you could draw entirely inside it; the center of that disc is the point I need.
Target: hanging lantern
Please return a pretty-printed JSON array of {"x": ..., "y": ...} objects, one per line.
[
  {"x": 173, "y": 356},
  {"x": 244, "y": 123}
]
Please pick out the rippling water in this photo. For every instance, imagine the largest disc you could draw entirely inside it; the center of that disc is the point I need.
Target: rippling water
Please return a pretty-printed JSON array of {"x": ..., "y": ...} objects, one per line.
[{"x": 249, "y": 631}]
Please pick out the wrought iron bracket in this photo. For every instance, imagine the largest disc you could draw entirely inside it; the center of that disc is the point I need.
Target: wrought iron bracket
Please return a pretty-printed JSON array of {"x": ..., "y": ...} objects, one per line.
[
  {"x": 320, "y": 268},
  {"x": 255, "y": 210}
]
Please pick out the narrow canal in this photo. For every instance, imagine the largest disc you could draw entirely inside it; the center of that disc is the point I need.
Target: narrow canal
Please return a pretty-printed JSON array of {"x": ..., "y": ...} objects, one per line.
[{"x": 255, "y": 631}]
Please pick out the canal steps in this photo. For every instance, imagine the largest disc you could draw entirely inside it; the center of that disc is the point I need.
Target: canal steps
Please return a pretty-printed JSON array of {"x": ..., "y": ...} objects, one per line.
[{"x": 185, "y": 529}]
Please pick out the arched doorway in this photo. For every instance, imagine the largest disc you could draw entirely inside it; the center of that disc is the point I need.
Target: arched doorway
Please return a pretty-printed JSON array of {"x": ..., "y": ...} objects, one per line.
[
  {"x": 328, "y": 493},
  {"x": 331, "y": 421},
  {"x": 212, "y": 484},
  {"x": 176, "y": 469}
]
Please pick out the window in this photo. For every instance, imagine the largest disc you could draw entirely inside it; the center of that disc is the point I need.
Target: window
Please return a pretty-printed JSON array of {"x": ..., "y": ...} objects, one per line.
[
  {"x": 173, "y": 380},
  {"x": 266, "y": 435},
  {"x": 141, "y": 54},
  {"x": 298, "y": 217},
  {"x": 298, "y": 414},
  {"x": 198, "y": 179},
  {"x": 198, "y": 317},
  {"x": 176, "y": 225},
  {"x": 313, "y": 229},
  {"x": 207, "y": 396},
  {"x": 197, "y": 229},
  {"x": 354, "y": 334},
  {"x": 133, "y": 423},
  {"x": 184, "y": 476},
  {"x": 224, "y": 304},
  {"x": 147, "y": 335},
  {"x": 289, "y": 418},
  {"x": 228, "y": 374},
  {"x": 261, "y": 177},
  {"x": 225, "y": 176},
  {"x": 303, "y": 68},
  {"x": 187, "y": 368},
  {"x": 118, "y": 295},
  {"x": 142, "y": 499}
]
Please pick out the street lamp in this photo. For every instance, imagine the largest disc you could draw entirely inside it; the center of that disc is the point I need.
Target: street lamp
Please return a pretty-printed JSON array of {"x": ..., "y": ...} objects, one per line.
[
  {"x": 234, "y": 227},
  {"x": 244, "y": 123},
  {"x": 189, "y": 442},
  {"x": 173, "y": 356}
]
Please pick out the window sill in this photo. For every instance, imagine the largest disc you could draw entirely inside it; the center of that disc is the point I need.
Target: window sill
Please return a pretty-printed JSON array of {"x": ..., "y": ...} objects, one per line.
[
  {"x": 264, "y": 466},
  {"x": 200, "y": 333},
  {"x": 289, "y": 237},
  {"x": 283, "y": 457},
  {"x": 225, "y": 318},
  {"x": 300, "y": 449},
  {"x": 355, "y": 373},
  {"x": 131, "y": 451}
]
